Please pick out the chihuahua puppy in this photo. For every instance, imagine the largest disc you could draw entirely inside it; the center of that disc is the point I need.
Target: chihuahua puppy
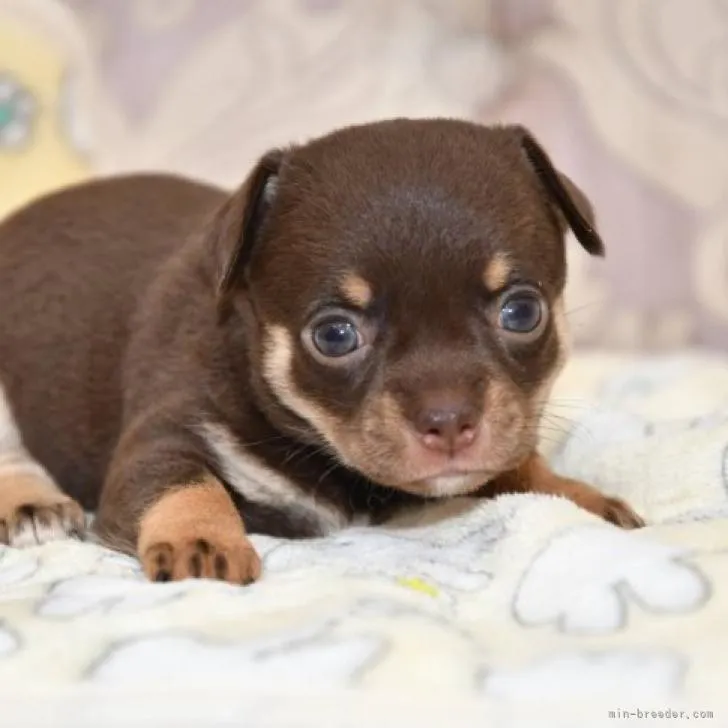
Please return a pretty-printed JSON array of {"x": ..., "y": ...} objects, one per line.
[{"x": 374, "y": 319}]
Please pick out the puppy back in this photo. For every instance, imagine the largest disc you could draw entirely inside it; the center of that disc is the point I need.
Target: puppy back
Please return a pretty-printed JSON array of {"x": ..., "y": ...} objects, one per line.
[{"x": 73, "y": 266}]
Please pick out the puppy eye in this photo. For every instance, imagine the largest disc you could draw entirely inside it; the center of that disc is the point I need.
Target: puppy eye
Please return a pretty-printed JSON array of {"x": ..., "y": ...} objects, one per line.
[
  {"x": 522, "y": 312},
  {"x": 335, "y": 338}
]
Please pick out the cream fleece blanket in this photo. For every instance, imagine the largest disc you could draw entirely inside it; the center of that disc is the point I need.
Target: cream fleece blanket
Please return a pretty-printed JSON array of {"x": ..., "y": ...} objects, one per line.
[{"x": 520, "y": 611}]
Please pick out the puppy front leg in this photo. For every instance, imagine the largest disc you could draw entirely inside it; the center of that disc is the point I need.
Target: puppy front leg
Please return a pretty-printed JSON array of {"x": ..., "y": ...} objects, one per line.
[
  {"x": 160, "y": 502},
  {"x": 535, "y": 476}
]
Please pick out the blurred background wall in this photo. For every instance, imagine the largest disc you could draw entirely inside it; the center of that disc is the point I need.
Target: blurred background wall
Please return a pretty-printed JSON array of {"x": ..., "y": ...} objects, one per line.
[{"x": 629, "y": 96}]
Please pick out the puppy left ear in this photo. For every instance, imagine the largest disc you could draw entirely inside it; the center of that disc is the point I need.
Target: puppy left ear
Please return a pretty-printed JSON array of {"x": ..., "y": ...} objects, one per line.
[
  {"x": 236, "y": 226},
  {"x": 572, "y": 204}
]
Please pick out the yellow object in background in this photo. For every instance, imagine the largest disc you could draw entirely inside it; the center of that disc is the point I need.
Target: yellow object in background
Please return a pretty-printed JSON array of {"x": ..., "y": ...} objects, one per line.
[
  {"x": 38, "y": 151},
  {"x": 417, "y": 584}
]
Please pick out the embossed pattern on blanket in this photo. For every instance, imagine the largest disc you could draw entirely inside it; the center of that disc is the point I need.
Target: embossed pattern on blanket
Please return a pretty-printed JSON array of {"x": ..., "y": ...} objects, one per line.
[{"x": 513, "y": 600}]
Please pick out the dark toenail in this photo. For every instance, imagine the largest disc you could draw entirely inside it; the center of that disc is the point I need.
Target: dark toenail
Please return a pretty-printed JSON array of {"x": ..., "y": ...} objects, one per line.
[
  {"x": 221, "y": 566},
  {"x": 202, "y": 546},
  {"x": 196, "y": 565}
]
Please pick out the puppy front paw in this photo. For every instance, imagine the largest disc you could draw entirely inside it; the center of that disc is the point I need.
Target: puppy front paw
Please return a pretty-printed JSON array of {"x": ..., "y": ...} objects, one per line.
[
  {"x": 33, "y": 511},
  {"x": 535, "y": 476},
  {"x": 202, "y": 558},
  {"x": 613, "y": 510},
  {"x": 196, "y": 532}
]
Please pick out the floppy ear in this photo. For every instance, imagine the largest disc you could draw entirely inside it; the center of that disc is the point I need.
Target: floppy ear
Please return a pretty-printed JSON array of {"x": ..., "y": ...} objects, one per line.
[
  {"x": 236, "y": 226},
  {"x": 570, "y": 201}
]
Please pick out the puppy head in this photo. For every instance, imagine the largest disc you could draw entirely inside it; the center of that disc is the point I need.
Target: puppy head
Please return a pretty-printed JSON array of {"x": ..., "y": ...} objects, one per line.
[{"x": 401, "y": 286}]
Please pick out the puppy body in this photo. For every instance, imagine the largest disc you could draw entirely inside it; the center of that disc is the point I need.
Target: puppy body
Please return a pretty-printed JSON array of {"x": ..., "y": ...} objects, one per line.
[
  {"x": 107, "y": 331},
  {"x": 172, "y": 355}
]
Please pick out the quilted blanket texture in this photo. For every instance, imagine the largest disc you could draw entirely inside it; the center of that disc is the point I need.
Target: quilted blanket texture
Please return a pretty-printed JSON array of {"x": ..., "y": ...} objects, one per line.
[{"x": 520, "y": 611}]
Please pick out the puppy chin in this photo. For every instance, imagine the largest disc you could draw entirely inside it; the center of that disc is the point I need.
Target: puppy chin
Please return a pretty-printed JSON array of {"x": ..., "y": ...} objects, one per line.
[
  {"x": 453, "y": 485},
  {"x": 447, "y": 485}
]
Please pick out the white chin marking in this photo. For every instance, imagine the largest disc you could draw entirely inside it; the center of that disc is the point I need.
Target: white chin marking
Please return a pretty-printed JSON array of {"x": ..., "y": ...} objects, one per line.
[{"x": 445, "y": 486}]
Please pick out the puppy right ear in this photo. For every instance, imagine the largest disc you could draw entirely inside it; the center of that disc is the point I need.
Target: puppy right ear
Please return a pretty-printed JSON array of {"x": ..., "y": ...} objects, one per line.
[{"x": 236, "y": 226}]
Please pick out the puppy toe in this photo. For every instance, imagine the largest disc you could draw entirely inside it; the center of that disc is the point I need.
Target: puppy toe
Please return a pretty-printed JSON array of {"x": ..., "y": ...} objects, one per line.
[
  {"x": 158, "y": 562},
  {"x": 616, "y": 511},
  {"x": 242, "y": 566},
  {"x": 197, "y": 560}
]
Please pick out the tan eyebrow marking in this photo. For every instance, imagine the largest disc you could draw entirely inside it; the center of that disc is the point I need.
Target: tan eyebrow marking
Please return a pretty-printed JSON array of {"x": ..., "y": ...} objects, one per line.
[
  {"x": 496, "y": 272},
  {"x": 356, "y": 290}
]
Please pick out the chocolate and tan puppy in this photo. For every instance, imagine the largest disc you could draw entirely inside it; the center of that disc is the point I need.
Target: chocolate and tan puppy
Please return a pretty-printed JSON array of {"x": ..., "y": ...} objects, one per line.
[{"x": 371, "y": 320}]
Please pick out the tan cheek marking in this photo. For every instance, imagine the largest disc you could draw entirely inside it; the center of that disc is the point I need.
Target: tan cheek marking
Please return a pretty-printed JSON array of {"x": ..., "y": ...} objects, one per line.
[
  {"x": 384, "y": 415},
  {"x": 195, "y": 530},
  {"x": 496, "y": 272},
  {"x": 504, "y": 403},
  {"x": 377, "y": 426},
  {"x": 382, "y": 428},
  {"x": 277, "y": 366},
  {"x": 356, "y": 290},
  {"x": 506, "y": 410}
]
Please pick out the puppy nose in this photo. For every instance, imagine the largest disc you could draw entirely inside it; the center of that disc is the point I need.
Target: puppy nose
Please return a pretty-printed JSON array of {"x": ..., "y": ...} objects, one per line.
[{"x": 448, "y": 428}]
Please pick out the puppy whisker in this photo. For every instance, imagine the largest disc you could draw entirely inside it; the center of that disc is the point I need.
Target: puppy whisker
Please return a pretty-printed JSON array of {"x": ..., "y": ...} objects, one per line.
[{"x": 582, "y": 307}]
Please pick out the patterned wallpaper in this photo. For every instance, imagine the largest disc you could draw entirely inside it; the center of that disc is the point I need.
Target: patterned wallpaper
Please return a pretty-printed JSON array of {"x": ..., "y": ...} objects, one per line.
[{"x": 630, "y": 97}]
